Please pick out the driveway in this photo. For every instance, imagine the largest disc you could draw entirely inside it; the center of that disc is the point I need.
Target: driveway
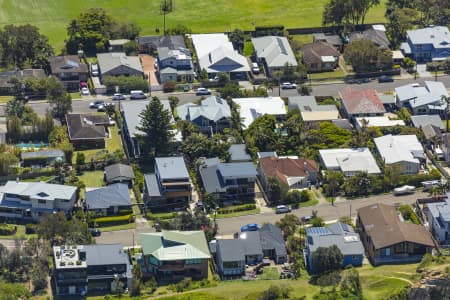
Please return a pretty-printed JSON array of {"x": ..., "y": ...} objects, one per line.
[
  {"x": 422, "y": 70},
  {"x": 148, "y": 65}
]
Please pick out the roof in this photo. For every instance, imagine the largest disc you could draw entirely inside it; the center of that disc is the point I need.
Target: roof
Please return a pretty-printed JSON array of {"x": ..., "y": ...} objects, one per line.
[
  {"x": 361, "y": 101},
  {"x": 387, "y": 99},
  {"x": 175, "y": 245},
  {"x": 98, "y": 255},
  {"x": 430, "y": 131},
  {"x": 238, "y": 152},
  {"x": 333, "y": 39},
  {"x": 169, "y": 41},
  {"x": 422, "y": 120},
  {"x": 311, "y": 111},
  {"x": 239, "y": 169},
  {"x": 343, "y": 123},
  {"x": 50, "y": 153},
  {"x": 313, "y": 53},
  {"x": 212, "y": 108},
  {"x": 40, "y": 190},
  {"x": 115, "y": 171},
  {"x": 171, "y": 167},
  {"x": 287, "y": 169},
  {"x": 417, "y": 96},
  {"x": 272, "y": 238},
  {"x": 267, "y": 154},
  {"x": 109, "y": 196},
  {"x": 153, "y": 188},
  {"x": 350, "y": 160},
  {"x": 251, "y": 108},
  {"x": 439, "y": 36},
  {"x": 380, "y": 121},
  {"x": 112, "y": 60},
  {"x": 5, "y": 77},
  {"x": 67, "y": 64},
  {"x": 80, "y": 127},
  {"x": 118, "y": 42},
  {"x": 440, "y": 211},
  {"x": 378, "y": 37},
  {"x": 397, "y": 148},
  {"x": 382, "y": 224},
  {"x": 231, "y": 249},
  {"x": 275, "y": 50},
  {"x": 179, "y": 53}
]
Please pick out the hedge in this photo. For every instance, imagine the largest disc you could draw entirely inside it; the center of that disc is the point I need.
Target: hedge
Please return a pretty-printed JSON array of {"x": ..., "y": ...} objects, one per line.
[
  {"x": 237, "y": 208},
  {"x": 30, "y": 228},
  {"x": 7, "y": 229},
  {"x": 161, "y": 216},
  {"x": 115, "y": 220}
]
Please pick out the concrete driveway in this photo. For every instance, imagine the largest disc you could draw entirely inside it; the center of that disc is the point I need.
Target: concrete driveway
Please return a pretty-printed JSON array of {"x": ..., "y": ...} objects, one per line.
[
  {"x": 422, "y": 70},
  {"x": 148, "y": 65}
]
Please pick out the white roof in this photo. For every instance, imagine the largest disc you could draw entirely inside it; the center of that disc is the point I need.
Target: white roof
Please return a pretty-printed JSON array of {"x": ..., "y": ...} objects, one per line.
[
  {"x": 439, "y": 36},
  {"x": 39, "y": 190},
  {"x": 431, "y": 93},
  {"x": 350, "y": 160},
  {"x": 381, "y": 121},
  {"x": 397, "y": 148},
  {"x": 275, "y": 50},
  {"x": 328, "y": 58},
  {"x": 251, "y": 108},
  {"x": 205, "y": 43}
]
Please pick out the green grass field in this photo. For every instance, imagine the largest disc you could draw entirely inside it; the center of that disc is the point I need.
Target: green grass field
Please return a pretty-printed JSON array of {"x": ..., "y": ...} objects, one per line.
[{"x": 52, "y": 16}]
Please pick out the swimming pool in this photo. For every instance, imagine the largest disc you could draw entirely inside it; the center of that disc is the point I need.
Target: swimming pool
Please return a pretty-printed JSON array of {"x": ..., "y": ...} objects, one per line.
[{"x": 31, "y": 145}]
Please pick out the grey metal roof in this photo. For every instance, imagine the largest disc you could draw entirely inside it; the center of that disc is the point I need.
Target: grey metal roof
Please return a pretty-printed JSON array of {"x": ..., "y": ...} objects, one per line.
[
  {"x": 113, "y": 254},
  {"x": 438, "y": 36},
  {"x": 378, "y": 37},
  {"x": 239, "y": 169},
  {"x": 171, "y": 167},
  {"x": 238, "y": 152},
  {"x": 170, "y": 41},
  {"x": 272, "y": 238},
  {"x": 212, "y": 108},
  {"x": 308, "y": 103},
  {"x": 112, "y": 195},
  {"x": 152, "y": 185},
  {"x": 440, "y": 210},
  {"x": 333, "y": 39},
  {"x": 39, "y": 190},
  {"x": 275, "y": 50},
  {"x": 43, "y": 153},
  {"x": 422, "y": 120},
  {"x": 118, "y": 171},
  {"x": 431, "y": 93},
  {"x": 252, "y": 242},
  {"x": 266, "y": 154},
  {"x": 231, "y": 250},
  {"x": 112, "y": 60}
]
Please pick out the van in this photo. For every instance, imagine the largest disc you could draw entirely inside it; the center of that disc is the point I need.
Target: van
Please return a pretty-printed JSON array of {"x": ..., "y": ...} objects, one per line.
[
  {"x": 94, "y": 70},
  {"x": 137, "y": 95}
]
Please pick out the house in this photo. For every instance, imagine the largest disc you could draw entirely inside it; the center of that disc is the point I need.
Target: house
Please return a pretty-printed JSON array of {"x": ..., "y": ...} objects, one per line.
[
  {"x": 427, "y": 44},
  {"x": 274, "y": 52},
  {"x": 311, "y": 111},
  {"x": 171, "y": 256},
  {"x": 332, "y": 39},
  {"x": 86, "y": 130},
  {"x": 249, "y": 248},
  {"x": 70, "y": 70},
  {"x": 82, "y": 269},
  {"x": 118, "y": 63},
  {"x": 350, "y": 161},
  {"x": 446, "y": 146},
  {"x": 7, "y": 77},
  {"x": 343, "y": 123},
  {"x": 109, "y": 200},
  {"x": 42, "y": 158},
  {"x": 339, "y": 234},
  {"x": 264, "y": 154},
  {"x": 227, "y": 181},
  {"x": 215, "y": 53},
  {"x": 169, "y": 186},
  {"x": 30, "y": 200},
  {"x": 149, "y": 44},
  {"x": 388, "y": 239},
  {"x": 431, "y": 126},
  {"x": 381, "y": 121},
  {"x": 238, "y": 153},
  {"x": 295, "y": 173},
  {"x": 376, "y": 34},
  {"x": 320, "y": 56},
  {"x": 175, "y": 65},
  {"x": 119, "y": 173},
  {"x": 212, "y": 115},
  {"x": 117, "y": 45},
  {"x": 131, "y": 111},
  {"x": 361, "y": 103},
  {"x": 403, "y": 151},
  {"x": 438, "y": 216},
  {"x": 251, "y": 108},
  {"x": 422, "y": 99}
]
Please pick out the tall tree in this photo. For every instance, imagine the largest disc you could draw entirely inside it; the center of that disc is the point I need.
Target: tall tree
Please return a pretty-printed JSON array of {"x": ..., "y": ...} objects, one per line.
[
  {"x": 59, "y": 99},
  {"x": 261, "y": 133},
  {"x": 347, "y": 12},
  {"x": 365, "y": 56},
  {"x": 156, "y": 128},
  {"x": 327, "y": 259}
]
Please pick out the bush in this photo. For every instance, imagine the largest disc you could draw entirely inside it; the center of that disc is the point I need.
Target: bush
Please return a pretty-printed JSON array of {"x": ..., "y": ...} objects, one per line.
[
  {"x": 409, "y": 214},
  {"x": 237, "y": 208},
  {"x": 30, "y": 228},
  {"x": 169, "y": 86},
  {"x": 126, "y": 83},
  {"x": 7, "y": 229},
  {"x": 116, "y": 220}
]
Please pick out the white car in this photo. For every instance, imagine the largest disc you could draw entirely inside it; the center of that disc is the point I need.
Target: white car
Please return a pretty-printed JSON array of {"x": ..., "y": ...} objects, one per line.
[
  {"x": 288, "y": 86},
  {"x": 255, "y": 68},
  {"x": 85, "y": 91},
  {"x": 281, "y": 209},
  {"x": 118, "y": 97},
  {"x": 202, "y": 91},
  {"x": 111, "y": 121},
  {"x": 96, "y": 104}
]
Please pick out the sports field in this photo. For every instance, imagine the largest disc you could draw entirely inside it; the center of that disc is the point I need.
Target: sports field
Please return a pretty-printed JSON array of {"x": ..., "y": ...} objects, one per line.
[{"x": 52, "y": 16}]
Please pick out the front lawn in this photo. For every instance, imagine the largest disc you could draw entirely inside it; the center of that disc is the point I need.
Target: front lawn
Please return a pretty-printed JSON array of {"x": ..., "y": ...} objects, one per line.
[
  {"x": 92, "y": 178},
  {"x": 118, "y": 227},
  {"x": 4, "y": 99},
  {"x": 238, "y": 214},
  {"x": 20, "y": 232},
  {"x": 336, "y": 74},
  {"x": 269, "y": 273},
  {"x": 248, "y": 48}
]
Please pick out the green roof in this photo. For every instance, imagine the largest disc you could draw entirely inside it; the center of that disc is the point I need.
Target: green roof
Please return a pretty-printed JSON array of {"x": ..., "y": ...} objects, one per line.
[{"x": 173, "y": 245}]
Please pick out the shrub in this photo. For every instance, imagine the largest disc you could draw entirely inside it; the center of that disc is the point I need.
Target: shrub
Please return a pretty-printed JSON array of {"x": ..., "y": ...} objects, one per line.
[
  {"x": 116, "y": 220},
  {"x": 7, "y": 229},
  {"x": 169, "y": 87},
  {"x": 408, "y": 214},
  {"x": 237, "y": 208},
  {"x": 30, "y": 228}
]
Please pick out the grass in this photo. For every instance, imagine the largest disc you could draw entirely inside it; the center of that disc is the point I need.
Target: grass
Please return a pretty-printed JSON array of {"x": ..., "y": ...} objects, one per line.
[
  {"x": 239, "y": 213},
  {"x": 53, "y": 16},
  {"x": 4, "y": 99},
  {"x": 92, "y": 178},
  {"x": 269, "y": 273},
  {"x": 311, "y": 202},
  {"x": 303, "y": 39},
  {"x": 38, "y": 179},
  {"x": 327, "y": 75},
  {"x": 248, "y": 48},
  {"x": 118, "y": 227},
  {"x": 20, "y": 232}
]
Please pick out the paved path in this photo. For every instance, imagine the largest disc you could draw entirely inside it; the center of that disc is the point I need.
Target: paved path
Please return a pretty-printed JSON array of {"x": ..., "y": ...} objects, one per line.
[{"x": 422, "y": 71}]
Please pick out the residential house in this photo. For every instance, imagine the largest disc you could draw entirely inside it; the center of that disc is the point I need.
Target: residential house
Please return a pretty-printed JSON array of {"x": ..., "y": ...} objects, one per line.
[
  {"x": 380, "y": 122},
  {"x": 81, "y": 269},
  {"x": 215, "y": 53},
  {"x": 427, "y": 44},
  {"x": 361, "y": 103},
  {"x": 438, "y": 216},
  {"x": 446, "y": 146},
  {"x": 251, "y": 108},
  {"x": 339, "y": 234},
  {"x": 264, "y": 154},
  {"x": 30, "y": 200},
  {"x": 42, "y": 158},
  {"x": 431, "y": 126},
  {"x": 86, "y": 130},
  {"x": 349, "y": 161},
  {"x": 118, "y": 63},
  {"x": 70, "y": 70},
  {"x": 109, "y": 200},
  {"x": 274, "y": 52},
  {"x": 319, "y": 57},
  {"x": 403, "y": 151},
  {"x": 295, "y": 173},
  {"x": 238, "y": 153},
  {"x": 117, "y": 45},
  {"x": 332, "y": 39},
  {"x": 227, "y": 181},
  {"x": 422, "y": 99},
  {"x": 149, "y": 44},
  {"x": 343, "y": 123},
  {"x": 175, "y": 65},
  {"x": 376, "y": 34},
  {"x": 389, "y": 239},
  {"x": 311, "y": 111},
  {"x": 212, "y": 115},
  {"x": 119, "y": 173},
  {"x": 131, "y": 111},
  {"x": 7, "y": 77},
  {"x": 169, "y": 186},
  {"x": 171, "y": 256}
]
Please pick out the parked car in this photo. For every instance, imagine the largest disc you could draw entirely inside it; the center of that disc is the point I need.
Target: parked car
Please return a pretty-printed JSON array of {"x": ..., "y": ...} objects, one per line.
[
  {"x": 202, "y": 91},
  {"x": 96, "y": 104},
  {"x": 385, "y": 78},
  {"x": 111, "y": 121},
  {"x": 94, "y": 70},
  {"x": 118, "y": 97},
  {"x": 282, "y": 209},
  {"x": 186, "y": 88},
  {"x": 137, "y": 95},
  {"x": 403, "y": 190},
  {"x": 255, "y": 68},
  {"x": 102, "y": 108},
  {"x": 430, "y": 183},
  {"x": 306, "y": 219},
  {"x": 288, "y": 86},
  {"x": 85, "y": 91},
  {"x": 250, "y": 227},
  {"x": 95, "y": 231}
]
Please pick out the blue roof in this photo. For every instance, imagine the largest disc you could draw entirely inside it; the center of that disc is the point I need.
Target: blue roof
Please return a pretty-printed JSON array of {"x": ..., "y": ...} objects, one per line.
[{"x": 171, "y": 167}]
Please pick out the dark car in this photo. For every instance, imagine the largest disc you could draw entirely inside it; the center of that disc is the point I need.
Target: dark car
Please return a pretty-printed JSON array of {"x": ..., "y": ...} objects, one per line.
[
  {"x": 95, "y": 231},
  {"x": 385, "y": 78},
  {"x": 306, "y": 219}
]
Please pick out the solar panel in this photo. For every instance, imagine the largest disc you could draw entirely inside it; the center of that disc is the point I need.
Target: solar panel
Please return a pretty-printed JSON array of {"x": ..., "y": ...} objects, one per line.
[{"x": 281, "y": 45}]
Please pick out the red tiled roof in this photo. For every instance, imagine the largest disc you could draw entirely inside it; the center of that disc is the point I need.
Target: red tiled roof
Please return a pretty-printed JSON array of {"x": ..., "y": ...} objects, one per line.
[
  {"x": 282, "y": 168},
  {"x": 361, "y": 101}
]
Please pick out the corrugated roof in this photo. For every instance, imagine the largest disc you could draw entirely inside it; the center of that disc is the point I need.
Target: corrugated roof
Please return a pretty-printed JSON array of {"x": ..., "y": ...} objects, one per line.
[
  {"x": 275, "y": 50},
  {"x": 438, "y": 36},
  {"x": 251, "y": 108},
  {"x": 118, "y": 171},
  {"x": 43, "y": 153},
  {"x": 113, "y": 254},
  {"x": 39, "y": 190},
  {"x": 422, "y": 120},
  {"x": 171, "y": 168},
  {"x": 238, "y": 152},
  {"x": 397, "y": 148},
  {"x": 109, "y": 196},
  {"x": 112, "y": 60},
  {"x": 350, "y": 160}
]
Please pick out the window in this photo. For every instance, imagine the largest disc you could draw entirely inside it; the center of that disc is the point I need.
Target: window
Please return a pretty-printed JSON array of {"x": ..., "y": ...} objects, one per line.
[
  {"x": 42, "y": 201},
  {"x": 355, "y": 257}
]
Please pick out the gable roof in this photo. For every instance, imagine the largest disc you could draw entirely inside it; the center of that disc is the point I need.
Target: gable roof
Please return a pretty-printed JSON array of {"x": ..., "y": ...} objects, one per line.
[
  {"x": 118, "y": 171},
  {"x": 251, "y": 108},
  {"x": 212, "y": 108},
  {"x": 311, "y": 110},
  {"x": 171, "y": 167},
  {"x": 112, "y": 60},
  {"x": 67, "y": 64},
  {"x": 287, "y": 168},
  {"x": 49, "y": 153},
  {"x": 397, "y": 148},
  {"x": 430, "y": 93},
  {"x": 109, "y": 196},
  {"x": 378, "y": 37},
  {"x": 275, "y": 50},
  {"x": 382, "y": 224},
  {"x": 350, "y": 160},
  {"x": 169, "y": 41},
  {"x": 332, "y": 39},
  {"x": 272, "y": 238},
  {"x": 361, "y": 101},
  {"x": 238, "y": 152},
  {"x": 80, "y": 127},
  {"x": 313, "y": 53},
  {"x": 39, "y": 190},
  {"x": 97, "y": 255},
  {"x": 422, "y": 120},
  {"x": 439, "y": 36}
]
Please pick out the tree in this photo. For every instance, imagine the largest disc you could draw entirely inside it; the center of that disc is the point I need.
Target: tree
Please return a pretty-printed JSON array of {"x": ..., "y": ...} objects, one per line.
[
  {"x": 58, "y": 98},
  {"x": 333, "y": 181},
  {"x": 187, "y": 128},
  {"x": 38, "y": 274},
  {"x": 347, "y": 12},
  {"x": 400, "y": 19},
  {"x": 173, "y": 101},
  {"x": 231, "y": 90},
  {"x": 288, "y": 224},
  {"x": 14, "y": 125},
  {"x": 80, "y": 159},
  {"x": 327, "y": 259},
  {"x": 365, "y": 56},
  {"x": 117, "y": 286},
  {"x": 350, "y": 282},
  {"x": 237, "y": 38},
  {"x": 261, "y": 133},
  {"x": 198, "y": 145},
  {"x": 156, "y": 128},
  {"x": 15, "y": 107},
  {"x": 7, "y": 162},
  {"x": 275, "y": 292},
  {"x": 166, "y": 7},
  {"x": 276, "y": 191},
  {"x": 137, "y": 280},
  {"x": 446, "y": 99}
]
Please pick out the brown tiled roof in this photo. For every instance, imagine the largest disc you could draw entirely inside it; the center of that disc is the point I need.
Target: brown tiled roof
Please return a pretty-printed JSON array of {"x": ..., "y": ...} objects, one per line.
[
  {"x": 80, "y": 127},
  {"x": 361, "y": 101},
  {"x": 67, "y": 64},
  {"x": 381, "y": 222},
  {"x": 313, "y": 52},
  {"x": 286, "y": 167}
]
